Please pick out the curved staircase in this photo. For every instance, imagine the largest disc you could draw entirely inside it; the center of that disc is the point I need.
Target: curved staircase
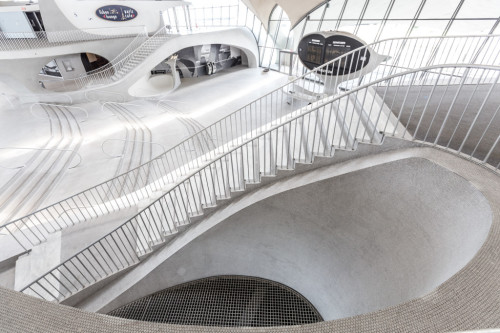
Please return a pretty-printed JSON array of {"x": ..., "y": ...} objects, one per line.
[{"x": 363, "y": 115}]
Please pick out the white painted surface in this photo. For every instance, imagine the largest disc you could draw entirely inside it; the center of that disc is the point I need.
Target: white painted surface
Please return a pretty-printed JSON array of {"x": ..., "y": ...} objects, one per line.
[
  {"x": 391, "y": 231},
  {"x": 82, "y": 14}
]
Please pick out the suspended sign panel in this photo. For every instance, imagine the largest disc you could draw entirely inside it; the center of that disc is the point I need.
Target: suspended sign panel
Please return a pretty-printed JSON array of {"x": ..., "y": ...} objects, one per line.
[
  {"x": 319, "y": 48},
  {"x": 116, "y": 13}
]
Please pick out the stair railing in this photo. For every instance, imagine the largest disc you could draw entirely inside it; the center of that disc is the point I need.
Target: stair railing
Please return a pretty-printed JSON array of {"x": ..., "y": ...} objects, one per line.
[
  {"x": 117, "y": 68},
  {"x": 13, "y": 41},
  {"x": 467, "y": 131},
  {"x": 165, "y": 170}
]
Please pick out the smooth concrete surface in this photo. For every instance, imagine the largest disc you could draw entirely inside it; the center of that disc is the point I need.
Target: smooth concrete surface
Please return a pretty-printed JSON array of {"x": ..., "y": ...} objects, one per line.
[
  {"x": 150, "y": 86},
  {"x": 99, "y": 121},
  {"x": 74, "y": 14},
  {"x": 64, "y": 244},
  {"x": 19, "y": 73},
  {"x": 240, "y": 38},
  {"x": 360, "y": 236},
  {"x": 31, "y": 61},
  {"x": 416, "y": 109},
  {"x": 465, "y": 302}
]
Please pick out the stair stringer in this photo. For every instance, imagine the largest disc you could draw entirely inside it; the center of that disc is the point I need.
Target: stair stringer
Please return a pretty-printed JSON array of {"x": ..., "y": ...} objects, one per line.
[{"x": 343, "y": 162}]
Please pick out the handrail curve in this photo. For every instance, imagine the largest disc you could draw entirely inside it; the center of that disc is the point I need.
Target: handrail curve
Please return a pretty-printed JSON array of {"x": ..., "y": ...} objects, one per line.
[
  {"x": 182, "y": 158},
  {"x": 336, "y": 123},
  {"x": 12, "y": 41}
]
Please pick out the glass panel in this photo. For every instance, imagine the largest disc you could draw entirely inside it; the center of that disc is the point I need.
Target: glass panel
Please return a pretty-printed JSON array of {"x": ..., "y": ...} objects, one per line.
[
  {"x": 273, "y": 25},
  {"x": 262, "y": 37},
  {"x": 333, "y": 10},
  {"x": 328, "y": 25},
  {"x": 234, "y": 16},
  {"x": 376, "y": 9},
  {"x": 471, "y": 27},
  {"x": 242, "y": 14},
  {"x": 434, "y": 9},
  {"x": 348, "y": 26},
  {"x": 316, "y": 15},
  {"x": 275, "y": 59},
  {"x": 353, "y": 9},
  {"x": 429, "y": 28},
  {"x": 179, "y": 11},
  {"x": 295, "y": 36},
  {"x": 311, "y": 26},
  {"x": 197, "y": 16},
  {"x": 394, "y": 29},
  {"x": 266, "y": 56},
  {"x": 250, "y": 17},
  {"x": 208, "y": 16},
  {"x": 281, "y": 40},
  {"x": 480, "y": 9},
  {"x": 404, "y": 9},
  {"x": 257, "y": 30},
  {"x": 368, "y": 30},
  {"x": 276, "y": 14},
  {"x": 225, "y": 15}
]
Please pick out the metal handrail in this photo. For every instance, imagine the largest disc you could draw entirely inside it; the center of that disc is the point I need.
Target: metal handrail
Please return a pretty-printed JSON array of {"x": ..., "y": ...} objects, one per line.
[
  {"x": 118, "y": 68},
  {"x": 12, "y": 41},
  {"x": 336, "y": 123},
  {"x": 180, "y": 160}
]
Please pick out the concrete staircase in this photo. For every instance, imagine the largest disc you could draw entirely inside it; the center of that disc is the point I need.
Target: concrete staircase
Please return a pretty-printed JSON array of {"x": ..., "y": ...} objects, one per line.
[{"x": 317, "y": 130}]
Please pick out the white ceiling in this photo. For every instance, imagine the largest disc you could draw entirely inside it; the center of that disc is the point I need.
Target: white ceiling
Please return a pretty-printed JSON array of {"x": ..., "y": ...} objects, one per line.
[{"x": 295, "y": 9}]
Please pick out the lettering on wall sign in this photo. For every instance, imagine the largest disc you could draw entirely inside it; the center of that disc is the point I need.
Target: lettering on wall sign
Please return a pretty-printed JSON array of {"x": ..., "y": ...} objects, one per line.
[{"x": 116, "y": 13}]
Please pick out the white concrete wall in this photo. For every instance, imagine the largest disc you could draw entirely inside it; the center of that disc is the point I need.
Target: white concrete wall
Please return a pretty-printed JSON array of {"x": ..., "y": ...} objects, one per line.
[
  {"x": 73, "y": 14},
  {"x": 351, "y": 244},
  {"x": 21, "y": 68},
  {"x": 70, "y": 66}
]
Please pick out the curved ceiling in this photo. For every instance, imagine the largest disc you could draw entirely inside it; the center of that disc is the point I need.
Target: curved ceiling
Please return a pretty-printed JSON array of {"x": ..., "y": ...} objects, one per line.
[{"x": 295, "y": 9}]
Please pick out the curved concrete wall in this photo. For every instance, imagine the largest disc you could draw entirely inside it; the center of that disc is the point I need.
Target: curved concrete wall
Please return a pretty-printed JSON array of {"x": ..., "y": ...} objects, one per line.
[
  {"x": 73, "y": 14},
  {"x": 467, "y": 301},
  {"x": 240, "y": 38},
  {"x": 350, "y": 244}
]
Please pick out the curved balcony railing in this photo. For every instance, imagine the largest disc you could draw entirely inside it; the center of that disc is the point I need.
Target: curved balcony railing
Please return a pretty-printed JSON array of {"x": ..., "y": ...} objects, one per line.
[
  {"x": 178, "y": 22},
  {"x": 164, "y": 171},
  {"x": 13, "y": 41},
  {"x": 125, "y": 62},
  {"x": 393, "y": 106}
]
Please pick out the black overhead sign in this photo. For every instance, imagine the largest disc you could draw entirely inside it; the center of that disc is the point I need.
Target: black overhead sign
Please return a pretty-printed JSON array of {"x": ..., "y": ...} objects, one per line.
[{"x": 116, "y": 13}]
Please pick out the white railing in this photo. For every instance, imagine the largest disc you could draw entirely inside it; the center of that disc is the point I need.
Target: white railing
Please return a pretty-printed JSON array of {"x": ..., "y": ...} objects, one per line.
[
  {"x": 124, "y": 63},
  {"x": 12, "y": 41},
  {"x": 361, "y": 115},
  {"x": 179, "y": 20},
  {"x": 166, "y": 170},
  {"x": 414, "y": 52}
]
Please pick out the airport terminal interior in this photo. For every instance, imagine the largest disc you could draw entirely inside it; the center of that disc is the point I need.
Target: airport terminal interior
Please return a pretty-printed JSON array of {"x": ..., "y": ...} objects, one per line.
[{"x": 249, "y": 166}]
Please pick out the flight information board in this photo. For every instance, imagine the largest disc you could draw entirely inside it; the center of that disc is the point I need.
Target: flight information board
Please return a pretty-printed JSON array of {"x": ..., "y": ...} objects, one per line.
[
  {"x": 319, "y": 48},
  {"x": 314, "y": 53}
]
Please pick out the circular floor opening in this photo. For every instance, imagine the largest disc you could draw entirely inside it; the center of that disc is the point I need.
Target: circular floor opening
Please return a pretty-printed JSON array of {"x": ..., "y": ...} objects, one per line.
[{"x": 231, "y": 301}]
